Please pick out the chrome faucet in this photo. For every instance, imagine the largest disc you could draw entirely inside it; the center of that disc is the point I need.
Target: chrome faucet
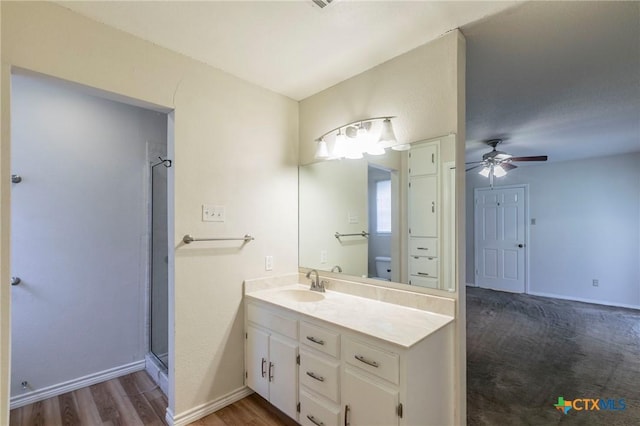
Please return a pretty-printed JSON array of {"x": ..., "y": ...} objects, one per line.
[
  {"x": 316, "y": 285},
  {"x": 336, "y": 268}
]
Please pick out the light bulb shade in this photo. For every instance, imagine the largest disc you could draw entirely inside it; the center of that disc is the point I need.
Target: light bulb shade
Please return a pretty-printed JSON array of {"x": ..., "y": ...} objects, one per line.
[
  {"x": 498, "y": 171},
  {"x": 322, "y": 152},
  {"x": 485, "y": 171},
  {"x": 375, "y": 149},
  {"x": 387, "y": 135},
  {"x": 401, "y": 147},
  {"x": 353, "y": 149},
  {"x": 340, "y": 146}
]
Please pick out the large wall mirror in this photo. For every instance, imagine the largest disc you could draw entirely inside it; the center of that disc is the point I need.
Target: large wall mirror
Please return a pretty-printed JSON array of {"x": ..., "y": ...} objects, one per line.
[{"x": 387, "y": 218}]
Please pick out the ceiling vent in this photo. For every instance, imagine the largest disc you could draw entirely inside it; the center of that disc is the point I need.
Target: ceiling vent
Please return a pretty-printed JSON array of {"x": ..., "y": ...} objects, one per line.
[{"x": 322, "y": 3}]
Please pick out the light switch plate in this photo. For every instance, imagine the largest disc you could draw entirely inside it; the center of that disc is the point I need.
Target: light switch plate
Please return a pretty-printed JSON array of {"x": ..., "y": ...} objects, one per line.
[
  {"x": 211, "y": 213},
  {"x": 323, "y": 256},
  {"x": 268, "y": 263}
]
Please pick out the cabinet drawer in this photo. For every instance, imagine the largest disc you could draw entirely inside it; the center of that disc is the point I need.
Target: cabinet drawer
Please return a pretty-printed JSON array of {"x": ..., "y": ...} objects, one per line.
[
  {"x": 315, "y": 413},
  {"x": 423, "y": 247},
  {"x": 374, "y": 360},
  {"x": 319, "y": 375},
  {"x": 424, "y": 282},
  {"x": 425, "y": 267},
  {"x": 265, "y": 318},
  {"x": 320, "y": 338}
]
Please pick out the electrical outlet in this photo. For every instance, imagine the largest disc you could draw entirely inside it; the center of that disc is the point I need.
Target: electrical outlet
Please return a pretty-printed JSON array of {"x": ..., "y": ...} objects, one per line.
[
  {"x": 212, "y": 213},
  {"x": 268, "y": 263},
  {"x": 595, "y": 283},
  {"x": 323, "y": 256},
  {"x": 353, "y": 218}
]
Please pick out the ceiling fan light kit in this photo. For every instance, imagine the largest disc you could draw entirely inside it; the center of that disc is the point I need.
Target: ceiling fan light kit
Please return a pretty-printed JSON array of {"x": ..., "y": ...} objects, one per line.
[{"x": 497, "y": 163}]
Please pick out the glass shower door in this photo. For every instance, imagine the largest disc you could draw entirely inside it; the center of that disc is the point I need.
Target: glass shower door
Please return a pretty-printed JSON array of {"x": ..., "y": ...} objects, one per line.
[{"x": 159, "y": 304}]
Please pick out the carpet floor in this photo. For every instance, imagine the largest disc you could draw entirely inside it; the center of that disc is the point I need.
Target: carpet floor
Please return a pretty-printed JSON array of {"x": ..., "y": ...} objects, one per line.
[{"x": 524, "y": 352}]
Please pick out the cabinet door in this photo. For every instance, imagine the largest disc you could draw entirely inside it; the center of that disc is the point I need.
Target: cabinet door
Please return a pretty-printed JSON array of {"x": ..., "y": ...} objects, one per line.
[
  {"x": 423, "y": 210},
  {"x": 283, "y": 375},
  {"x": 423, "y": 160},
  {"x": 367, "y": 403},
  {"x": 257, "y": 361}
]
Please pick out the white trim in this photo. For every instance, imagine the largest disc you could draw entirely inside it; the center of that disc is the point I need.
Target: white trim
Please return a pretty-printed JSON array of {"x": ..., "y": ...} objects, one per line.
[
  {"x": 582, "y": 299},
  {"x": 472, "y": 285},
  {"x": 75, "y": 384},
  {"x": 207, "y": 408}
]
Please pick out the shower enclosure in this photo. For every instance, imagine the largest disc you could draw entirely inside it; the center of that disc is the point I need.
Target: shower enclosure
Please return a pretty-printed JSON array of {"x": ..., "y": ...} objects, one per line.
[{"x": 159, "y": 285}]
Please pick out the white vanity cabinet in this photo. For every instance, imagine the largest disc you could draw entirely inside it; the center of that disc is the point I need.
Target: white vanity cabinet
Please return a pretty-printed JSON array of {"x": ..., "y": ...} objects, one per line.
[
  {"x": 271, "y": 354},
  {"x": 347, "y": 377},
  {"x": 319, "y": 375}
]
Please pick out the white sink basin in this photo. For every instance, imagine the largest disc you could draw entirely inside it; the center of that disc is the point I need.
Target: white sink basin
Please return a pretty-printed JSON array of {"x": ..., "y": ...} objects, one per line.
[{"x": 299, "y": 295}]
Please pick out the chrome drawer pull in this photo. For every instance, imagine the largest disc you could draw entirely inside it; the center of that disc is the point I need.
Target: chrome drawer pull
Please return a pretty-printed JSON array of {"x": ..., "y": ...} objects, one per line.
[
  {"x": 264, "y": 362},
  {"x": 422, "y": 248},
  {"x": 271, "y": 372},
  {"x": 314, "y": 340},
  {"x": 347, "y": 409},
  {"x": 313, "y": 376},
  {"x": 314, "y": 421},
  {"x": 366, "y": 361},
  {"x": 423, "y": 273}
]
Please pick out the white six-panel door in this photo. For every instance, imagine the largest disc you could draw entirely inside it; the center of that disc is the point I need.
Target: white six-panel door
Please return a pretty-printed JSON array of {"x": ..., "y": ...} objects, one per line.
[{"x": 500, "y": 238}]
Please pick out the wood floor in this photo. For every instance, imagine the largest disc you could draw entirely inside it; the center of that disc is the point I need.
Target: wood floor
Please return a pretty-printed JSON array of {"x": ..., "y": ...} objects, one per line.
[{"x": 135, "y": 400}]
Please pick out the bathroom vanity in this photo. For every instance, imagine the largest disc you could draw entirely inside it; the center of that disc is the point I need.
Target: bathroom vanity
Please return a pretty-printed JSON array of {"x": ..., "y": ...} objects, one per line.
[{"x": 354, "y": 355}]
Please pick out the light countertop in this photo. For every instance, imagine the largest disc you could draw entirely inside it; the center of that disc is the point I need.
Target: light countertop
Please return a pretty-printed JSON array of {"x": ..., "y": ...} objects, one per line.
[{"x": 393, "y": 323}]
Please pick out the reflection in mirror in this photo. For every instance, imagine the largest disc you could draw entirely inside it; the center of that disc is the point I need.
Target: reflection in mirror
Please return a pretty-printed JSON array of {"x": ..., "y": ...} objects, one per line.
[{"x": 389, "y": 218}]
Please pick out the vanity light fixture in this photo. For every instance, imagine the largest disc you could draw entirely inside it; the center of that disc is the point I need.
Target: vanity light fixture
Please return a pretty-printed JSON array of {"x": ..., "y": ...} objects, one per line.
[{"x": 352, "y": 140}]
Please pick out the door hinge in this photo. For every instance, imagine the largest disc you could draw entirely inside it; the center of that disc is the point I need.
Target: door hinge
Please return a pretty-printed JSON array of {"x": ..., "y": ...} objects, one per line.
[
  {"x": 433, "y": 160},
  {"x": 298, "y": 407},
  {"x": 409, "y": 184},
  {"x": 409, "y": 230},
  {"x": 399, "y": 410},
  {"x": 246, "y": 374},
  {"x": 298, "y": 359},
  {"x": 246, "y": 335},
  {"x": 476, "y": 272}
]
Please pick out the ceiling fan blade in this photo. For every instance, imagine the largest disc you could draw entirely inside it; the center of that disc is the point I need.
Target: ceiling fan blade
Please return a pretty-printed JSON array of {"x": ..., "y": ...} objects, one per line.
[
  {"x": 532, "y": 158},
  {"x": 474, "y": 167},
  {"x": 474, "y": 162},
  {"x": 508, "y": 166}
]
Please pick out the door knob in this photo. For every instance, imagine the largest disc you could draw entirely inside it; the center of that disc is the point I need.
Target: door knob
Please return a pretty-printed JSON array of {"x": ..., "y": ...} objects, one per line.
[
  {"x": 15, "y": 280},
  {"x": 16, "y": 179},
  {"x": 520, "y": 245}
]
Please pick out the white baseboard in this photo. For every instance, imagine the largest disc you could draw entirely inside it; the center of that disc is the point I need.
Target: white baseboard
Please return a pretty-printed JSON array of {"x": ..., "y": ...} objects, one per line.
[
  {"x": 203, "y": 410},
  {"x": 75, "y": 384},
  {"x": 580, "y": 299},
  {"x": 471, "y": 285}
]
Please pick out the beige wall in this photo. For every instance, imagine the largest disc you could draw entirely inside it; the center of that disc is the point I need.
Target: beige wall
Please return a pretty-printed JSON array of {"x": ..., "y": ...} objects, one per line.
[
  {"x": 235, "y": 144},
  {"x": 424, "y": 88},
  {"x": 419, "y": 87}
]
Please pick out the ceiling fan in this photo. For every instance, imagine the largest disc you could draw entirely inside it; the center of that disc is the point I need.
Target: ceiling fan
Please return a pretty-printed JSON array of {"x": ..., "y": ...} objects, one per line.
[{"x": 497, "y": 163}]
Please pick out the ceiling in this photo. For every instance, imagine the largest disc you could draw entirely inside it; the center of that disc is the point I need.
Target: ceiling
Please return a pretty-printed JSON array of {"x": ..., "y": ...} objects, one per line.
[
  {"x": 554, "y": 78},
  {"x": 291, "y": 47}
]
